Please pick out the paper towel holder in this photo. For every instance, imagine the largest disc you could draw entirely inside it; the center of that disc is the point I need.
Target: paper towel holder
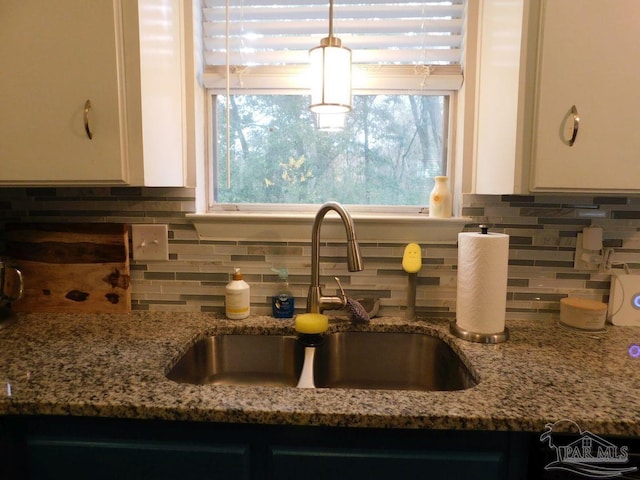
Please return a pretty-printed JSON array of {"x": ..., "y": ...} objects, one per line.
[
  {"x": 487, "y": 338},
  {"x": 478, "y": 337}
]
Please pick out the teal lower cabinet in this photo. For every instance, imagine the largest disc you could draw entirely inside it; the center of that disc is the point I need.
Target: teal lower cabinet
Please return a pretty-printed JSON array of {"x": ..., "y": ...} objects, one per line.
[
  {"x": 70, "y": 448},
  {"x": 52, "y": 458},
  {"x": 316, "y": 464},
  {"x": 400, "y": 454}
]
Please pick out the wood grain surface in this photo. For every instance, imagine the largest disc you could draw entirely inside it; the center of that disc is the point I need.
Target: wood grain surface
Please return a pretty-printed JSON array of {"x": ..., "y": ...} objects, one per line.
[{"x": 71, "y": 268}]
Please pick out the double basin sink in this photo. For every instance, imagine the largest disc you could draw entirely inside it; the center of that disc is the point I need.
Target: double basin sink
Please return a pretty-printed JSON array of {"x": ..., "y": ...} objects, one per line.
[{"x": 366, "y": 360}]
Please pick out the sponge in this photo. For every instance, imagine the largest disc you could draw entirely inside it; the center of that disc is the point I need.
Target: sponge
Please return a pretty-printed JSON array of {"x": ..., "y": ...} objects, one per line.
[
  {"x": 311, "y": 323},
  {"x": 412, "y": 258}
]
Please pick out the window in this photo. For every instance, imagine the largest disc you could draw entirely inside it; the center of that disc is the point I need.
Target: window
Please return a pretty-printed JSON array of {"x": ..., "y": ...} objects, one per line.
[
  {"x": 268, "y": 147},
  {"x": 388, "y": 152}
]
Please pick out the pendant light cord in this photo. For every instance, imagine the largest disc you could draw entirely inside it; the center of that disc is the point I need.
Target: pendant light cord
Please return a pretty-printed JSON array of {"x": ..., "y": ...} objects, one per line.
[
  {"x": 330, "y": 18},
  {"x": 228, "y": 92}
]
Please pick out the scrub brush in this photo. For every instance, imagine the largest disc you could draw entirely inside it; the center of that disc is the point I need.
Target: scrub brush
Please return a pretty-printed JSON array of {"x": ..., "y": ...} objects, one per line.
[
  {"x": 356, "y": 310},
  {"x": 412, "y": 263},
  {"x": 310, "y": 326}
]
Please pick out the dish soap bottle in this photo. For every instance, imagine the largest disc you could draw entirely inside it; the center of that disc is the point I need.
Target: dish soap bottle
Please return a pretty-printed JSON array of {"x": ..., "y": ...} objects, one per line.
[
  {"x": 237, "y": 298},
  {"x": 282, "y": 303}
]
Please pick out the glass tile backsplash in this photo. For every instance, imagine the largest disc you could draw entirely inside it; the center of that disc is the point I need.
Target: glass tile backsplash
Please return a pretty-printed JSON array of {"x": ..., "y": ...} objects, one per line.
[{"x": 542, "y": 230}]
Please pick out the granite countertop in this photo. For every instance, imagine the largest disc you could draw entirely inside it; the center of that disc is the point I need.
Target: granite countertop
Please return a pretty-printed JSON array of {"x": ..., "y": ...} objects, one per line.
[{"x": 115, "y": 365}]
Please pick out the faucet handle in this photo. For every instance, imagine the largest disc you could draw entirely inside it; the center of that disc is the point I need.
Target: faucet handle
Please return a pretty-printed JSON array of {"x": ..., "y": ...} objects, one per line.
[
  {"x": 358, "y": 312},
  {"x": 342, "y": 294}
]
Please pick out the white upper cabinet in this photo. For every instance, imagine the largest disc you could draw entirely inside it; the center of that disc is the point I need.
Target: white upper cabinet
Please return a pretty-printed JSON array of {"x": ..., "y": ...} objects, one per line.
[
  {"x": 495, "y": 115},
  {"x": 92, "y": 93},
  {"x": 547, "y": 68},
  {"x": 588, "y": 74}
]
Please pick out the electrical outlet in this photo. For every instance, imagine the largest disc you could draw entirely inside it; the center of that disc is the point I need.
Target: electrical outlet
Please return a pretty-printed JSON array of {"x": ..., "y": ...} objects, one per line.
[
  {"x": 582, "y": 260},
  {"x": 150, "y": 242}
]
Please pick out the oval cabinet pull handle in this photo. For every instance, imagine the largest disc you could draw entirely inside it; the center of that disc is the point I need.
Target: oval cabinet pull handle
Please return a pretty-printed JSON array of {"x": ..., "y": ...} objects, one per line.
[
  {"x": 87, "y": 128},
  {"x": 576, "y": 125}
]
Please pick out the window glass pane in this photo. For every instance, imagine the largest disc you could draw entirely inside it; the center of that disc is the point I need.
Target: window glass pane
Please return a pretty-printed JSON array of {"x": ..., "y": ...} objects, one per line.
[{"x": 390, "y": 149}]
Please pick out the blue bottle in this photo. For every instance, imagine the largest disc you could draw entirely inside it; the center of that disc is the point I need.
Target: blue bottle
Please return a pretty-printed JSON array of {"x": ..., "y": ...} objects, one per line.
[{"x": 282, "y": 303}]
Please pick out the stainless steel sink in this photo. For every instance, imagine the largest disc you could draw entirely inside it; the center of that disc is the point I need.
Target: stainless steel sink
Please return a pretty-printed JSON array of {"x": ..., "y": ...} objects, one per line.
[
  {"x": 390, "y": 361},
  {"x": 272, "y": 360},
  {"x": 366, "y": 360}
]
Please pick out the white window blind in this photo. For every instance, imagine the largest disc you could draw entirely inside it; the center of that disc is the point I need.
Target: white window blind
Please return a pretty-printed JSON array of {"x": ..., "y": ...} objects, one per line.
[{"x": 269, "y": 36}]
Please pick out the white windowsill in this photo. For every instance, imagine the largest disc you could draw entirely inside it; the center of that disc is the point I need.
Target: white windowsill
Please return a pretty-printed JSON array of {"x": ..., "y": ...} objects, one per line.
[{"x": 296, "y": 227}]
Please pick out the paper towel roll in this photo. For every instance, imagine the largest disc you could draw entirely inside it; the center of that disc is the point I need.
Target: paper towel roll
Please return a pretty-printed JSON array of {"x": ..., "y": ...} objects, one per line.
[{"x": 481, "y": 298}]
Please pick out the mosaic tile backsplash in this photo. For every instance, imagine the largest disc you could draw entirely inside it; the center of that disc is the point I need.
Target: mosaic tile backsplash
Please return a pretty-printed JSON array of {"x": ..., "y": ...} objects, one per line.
[{"x": 542, "y": 229}]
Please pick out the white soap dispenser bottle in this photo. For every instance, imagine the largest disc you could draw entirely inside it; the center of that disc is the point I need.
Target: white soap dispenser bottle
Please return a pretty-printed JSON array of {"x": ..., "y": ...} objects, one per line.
[{"x": 237, "y": 297}]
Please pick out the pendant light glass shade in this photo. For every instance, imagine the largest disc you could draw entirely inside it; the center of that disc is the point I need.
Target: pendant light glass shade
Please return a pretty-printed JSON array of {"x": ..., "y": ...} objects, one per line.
[
  {"x": 330, "y": 122},
  {"x": 330, "y": 77},
  {"x": 330, "y": 74}
]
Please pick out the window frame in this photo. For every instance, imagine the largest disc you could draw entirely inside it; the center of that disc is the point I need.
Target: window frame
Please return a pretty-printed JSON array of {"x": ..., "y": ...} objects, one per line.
[
  {"x": 285, "y": 223},
  {"x": 272, "y": 84}
]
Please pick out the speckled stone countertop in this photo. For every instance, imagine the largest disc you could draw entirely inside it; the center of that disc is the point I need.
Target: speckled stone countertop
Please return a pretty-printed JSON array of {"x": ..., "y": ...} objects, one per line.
[{"x": 115, "y": 365}]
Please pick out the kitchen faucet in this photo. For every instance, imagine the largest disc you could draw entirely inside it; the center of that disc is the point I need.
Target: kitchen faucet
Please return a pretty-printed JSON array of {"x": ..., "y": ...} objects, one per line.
[{"x": 316, "y": 301}]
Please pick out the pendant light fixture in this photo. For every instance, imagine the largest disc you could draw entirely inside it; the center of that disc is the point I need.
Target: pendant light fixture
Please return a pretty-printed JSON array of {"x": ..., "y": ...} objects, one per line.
[
  {"x": 330, "y": 74},
  {"x": 330, "y": 122}
]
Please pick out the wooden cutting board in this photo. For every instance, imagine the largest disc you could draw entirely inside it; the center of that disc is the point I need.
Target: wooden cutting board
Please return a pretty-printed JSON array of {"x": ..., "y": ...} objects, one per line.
[{"x": 71, "y": 268}]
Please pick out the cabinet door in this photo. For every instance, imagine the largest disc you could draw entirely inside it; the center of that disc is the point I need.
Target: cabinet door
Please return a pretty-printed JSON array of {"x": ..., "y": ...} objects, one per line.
[
  {"x": 55, "y": 56},
  {"x": 81, "y": 459},
  {"x": 588, "y": 53},
  {"x": 322, "y": 463}
]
